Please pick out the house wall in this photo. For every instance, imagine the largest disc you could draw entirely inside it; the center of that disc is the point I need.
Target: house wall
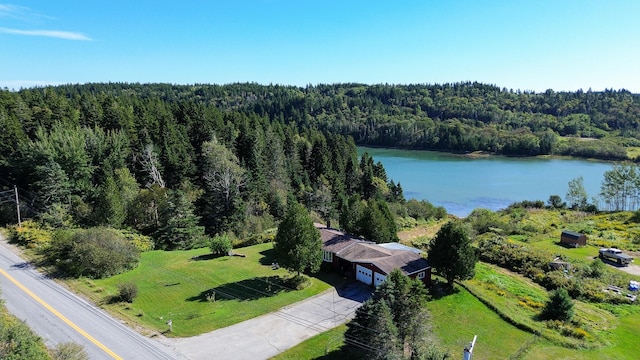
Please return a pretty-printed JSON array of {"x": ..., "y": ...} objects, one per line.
[
  {"x": 581, "y": 241},
  {"x": 349, "y": 269},
  {"x": 426, "y": 279}
]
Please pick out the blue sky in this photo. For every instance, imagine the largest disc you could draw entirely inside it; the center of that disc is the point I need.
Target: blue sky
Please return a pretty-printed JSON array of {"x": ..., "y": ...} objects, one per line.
[{"x": 527, "y": 45}]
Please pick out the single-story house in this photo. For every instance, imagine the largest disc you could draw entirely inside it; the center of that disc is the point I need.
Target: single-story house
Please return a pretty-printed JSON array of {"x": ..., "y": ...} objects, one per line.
[
  {"x": 573, "y": 239},
  {"x": 369, "y": 262}
]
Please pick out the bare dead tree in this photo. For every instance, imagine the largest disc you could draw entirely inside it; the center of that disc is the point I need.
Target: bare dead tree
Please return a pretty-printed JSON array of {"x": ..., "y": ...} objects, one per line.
[{"x": 150, "y": 163}]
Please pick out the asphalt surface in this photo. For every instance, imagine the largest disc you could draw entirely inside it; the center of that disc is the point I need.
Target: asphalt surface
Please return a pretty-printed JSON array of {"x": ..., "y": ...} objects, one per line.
[
  {"x": 59, "y": 316},
  {"x": 270, "y": 334}
]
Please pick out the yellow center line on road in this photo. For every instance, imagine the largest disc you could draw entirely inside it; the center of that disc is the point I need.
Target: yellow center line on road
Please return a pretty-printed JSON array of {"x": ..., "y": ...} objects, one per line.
[{"x": 62, "y": 317}]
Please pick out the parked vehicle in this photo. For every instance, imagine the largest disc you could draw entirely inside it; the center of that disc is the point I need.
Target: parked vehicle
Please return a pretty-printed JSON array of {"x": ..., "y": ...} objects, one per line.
[{"x": 615, "y": 255}]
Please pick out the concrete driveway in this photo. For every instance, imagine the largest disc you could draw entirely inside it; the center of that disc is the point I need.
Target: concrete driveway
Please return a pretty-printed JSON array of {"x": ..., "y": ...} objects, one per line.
[{"x": 269, "y": 335}]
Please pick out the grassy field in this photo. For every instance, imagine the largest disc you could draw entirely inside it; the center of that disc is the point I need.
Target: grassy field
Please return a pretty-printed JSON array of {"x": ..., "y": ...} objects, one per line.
[
  {"x": 519, "y": 301},
  {"x": 459, "y": 316},
  {"x": 456, "y": 318},
  {"x": 174, "y": 285},
  {"x": 619, "y": 229},
  {"x": 623, "y": 346}
]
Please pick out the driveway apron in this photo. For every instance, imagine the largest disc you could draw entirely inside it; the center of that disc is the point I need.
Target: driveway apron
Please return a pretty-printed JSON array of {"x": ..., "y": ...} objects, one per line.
[{"x": 273, "y": 333}]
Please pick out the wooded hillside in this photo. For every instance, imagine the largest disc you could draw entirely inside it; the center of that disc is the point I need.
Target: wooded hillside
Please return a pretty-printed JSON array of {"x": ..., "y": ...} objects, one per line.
[
  {"x": 170, "y": 163},
  {"x": 226, "y": 156}
]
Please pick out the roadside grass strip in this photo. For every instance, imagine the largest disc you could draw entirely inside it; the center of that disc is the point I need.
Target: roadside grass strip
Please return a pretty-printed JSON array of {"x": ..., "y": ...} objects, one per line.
[{"x": 325, "y": 346}]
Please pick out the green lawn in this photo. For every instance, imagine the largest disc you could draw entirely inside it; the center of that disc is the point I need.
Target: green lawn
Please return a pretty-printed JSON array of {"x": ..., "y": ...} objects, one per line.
[
  {"x": 325, "y": 345},
  {"x": 458, "y": 317},
  {"x": 173, "y": 285}
]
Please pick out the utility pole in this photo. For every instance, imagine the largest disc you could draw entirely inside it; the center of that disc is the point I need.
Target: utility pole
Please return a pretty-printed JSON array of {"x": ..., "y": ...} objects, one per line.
[
  {"x": 15, "y": 189},
  {"x": 468, "y": 350}
]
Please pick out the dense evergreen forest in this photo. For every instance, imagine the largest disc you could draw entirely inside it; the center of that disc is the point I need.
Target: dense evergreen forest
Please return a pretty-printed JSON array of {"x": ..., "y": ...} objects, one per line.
[
  {"x": 160, "y": 160},
  {"x": 174, "y": 161}
]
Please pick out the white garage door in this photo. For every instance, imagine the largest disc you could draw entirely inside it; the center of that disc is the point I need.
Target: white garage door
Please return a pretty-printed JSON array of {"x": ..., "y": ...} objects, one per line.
[
  {"x": 378, "y": 279},
  {"x": 364, "y": 275}
]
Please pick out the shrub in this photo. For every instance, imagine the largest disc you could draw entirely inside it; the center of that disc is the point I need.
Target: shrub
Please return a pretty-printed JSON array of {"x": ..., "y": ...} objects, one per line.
[
  {"x": 555, "y": 279},
  {"x": 141, "y": 242},
  {"x": 96, "y": 252},
  {"x": 596, "y": 269},
  {"x": 254, "y": 240},
  {"x": 17, "y": 341},
  {"x": 559, "y": 306},
  {"x": 127, "y": 292},
  {"x": 297, "y": 282},
  {"x": 406, "y": 222},
  {"x": 69, "y": 351},
  {"x": 221, "y": 245},
  {"x": 484, "y": 220},
  {"x": 424, "y": 210},
  {"x": 32, "y": 235}
]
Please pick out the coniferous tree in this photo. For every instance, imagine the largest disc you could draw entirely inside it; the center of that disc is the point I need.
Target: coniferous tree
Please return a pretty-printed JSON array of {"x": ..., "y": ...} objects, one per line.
[
  {"x": 181, "y": 228},
  {"x": 377, "y": 223},
  {"x": 351, "y": 212},
  {"x": 452, "y": 254},
  {"x": 298, "y": 246},
  {"x": 223, "y": 178},
  {"x": 559, "y": 306},
  {"x": 405, "y": 298},
  {"x": 373, "y": 332},
  {"x": 110, "y": 209},
  {"x": 393, "y": 323}
]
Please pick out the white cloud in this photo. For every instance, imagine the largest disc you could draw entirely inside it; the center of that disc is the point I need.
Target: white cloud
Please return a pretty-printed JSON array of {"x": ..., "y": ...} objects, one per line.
[
  {"x": 21, "y": 13},
  {"x": 25, "y": 16},
  {"x": 11, "y": 10},
  {"x": 67, "y": 35}
]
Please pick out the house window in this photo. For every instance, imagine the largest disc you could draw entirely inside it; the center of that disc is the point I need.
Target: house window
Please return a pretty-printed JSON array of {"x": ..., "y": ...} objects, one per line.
[
  {"x": 327, "y": 256},
  {"x": 421, "y": 275}
]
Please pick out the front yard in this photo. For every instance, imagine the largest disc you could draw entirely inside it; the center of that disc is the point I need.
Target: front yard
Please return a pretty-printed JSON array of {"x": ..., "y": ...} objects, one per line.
[{"x": 199, "y": 293}]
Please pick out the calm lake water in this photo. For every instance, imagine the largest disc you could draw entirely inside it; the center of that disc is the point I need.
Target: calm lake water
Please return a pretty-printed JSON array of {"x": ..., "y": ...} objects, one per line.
[{"x": 461, "y": 184}]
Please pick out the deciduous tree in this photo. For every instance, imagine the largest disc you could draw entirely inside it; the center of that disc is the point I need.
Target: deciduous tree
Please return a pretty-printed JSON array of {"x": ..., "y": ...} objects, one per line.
[{"x": 576, "y": 194}]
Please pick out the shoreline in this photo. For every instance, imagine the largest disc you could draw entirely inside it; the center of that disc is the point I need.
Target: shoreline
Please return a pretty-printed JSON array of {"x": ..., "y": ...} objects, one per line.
[{"x": 482, "y": 154}]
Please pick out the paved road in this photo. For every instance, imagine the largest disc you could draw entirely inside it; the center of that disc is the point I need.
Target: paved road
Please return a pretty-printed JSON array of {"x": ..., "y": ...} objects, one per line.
[
  {"x": 59, "y": 316},
  {"x": 269, "y": 335}
]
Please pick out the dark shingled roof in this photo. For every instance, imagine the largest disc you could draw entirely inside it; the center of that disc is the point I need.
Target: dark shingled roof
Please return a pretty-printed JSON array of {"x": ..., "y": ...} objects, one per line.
[
  {"x": 335, "y": 240},
  {"x": 385, "y": 259},
  {"x": 360, "y": 251},
  {"x": 571, "y": 234}
]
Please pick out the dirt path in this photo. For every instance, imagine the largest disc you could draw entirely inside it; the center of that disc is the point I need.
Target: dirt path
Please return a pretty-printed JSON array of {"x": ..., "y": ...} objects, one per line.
[{"x": 632, "y": 269}]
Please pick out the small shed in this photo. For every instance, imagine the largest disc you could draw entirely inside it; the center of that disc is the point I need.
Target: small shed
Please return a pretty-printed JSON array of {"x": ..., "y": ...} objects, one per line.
[{"x": 573, "y": 239}]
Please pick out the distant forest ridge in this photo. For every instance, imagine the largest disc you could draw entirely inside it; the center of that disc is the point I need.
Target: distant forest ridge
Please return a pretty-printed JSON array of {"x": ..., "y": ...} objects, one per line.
[
  {"x": 231, "y": 157},
  {"x": 460, "y": 117}
]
